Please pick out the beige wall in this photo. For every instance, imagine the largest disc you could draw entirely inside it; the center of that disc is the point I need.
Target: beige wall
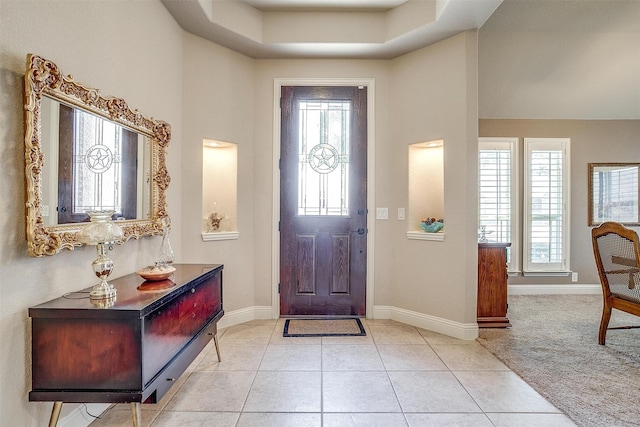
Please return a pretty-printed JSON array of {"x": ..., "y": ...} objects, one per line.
[
  {"x": 206, "y": 91},
  {"x": 127, "y": 49},
  {"x": 434, "y": 98},
  {"x": 217, "y": 101},
  {"x": 561, "y": 60},
  {"x": 592, "y": 141},
  {"x": 429, "y": 94}
]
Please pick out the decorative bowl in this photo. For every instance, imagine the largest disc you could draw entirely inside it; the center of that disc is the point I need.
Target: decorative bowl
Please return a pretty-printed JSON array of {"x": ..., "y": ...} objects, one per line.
[
  {"x": 434, "y": 227},
  {"x": 156, "y": 272}
]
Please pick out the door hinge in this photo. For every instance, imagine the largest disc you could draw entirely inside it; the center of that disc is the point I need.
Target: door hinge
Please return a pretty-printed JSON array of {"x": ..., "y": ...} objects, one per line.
[{"x": 278, "y": 287}]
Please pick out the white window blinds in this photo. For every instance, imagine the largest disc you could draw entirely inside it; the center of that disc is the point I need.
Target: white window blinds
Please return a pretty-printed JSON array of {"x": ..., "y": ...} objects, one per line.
[
  {"x": 546, "y": 204},
  {"x": 497, "y": 192}
]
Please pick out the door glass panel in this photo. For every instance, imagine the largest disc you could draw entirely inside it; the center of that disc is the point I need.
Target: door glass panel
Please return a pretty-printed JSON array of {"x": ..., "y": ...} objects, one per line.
[
  {"x": 323, "y": 160},
  {"x": 97, "y": 156}
]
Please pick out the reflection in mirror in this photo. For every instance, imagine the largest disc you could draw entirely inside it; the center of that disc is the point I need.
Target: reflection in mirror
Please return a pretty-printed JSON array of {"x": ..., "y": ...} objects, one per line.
[
  {"x": 614, "y": 193},
  {"x": 93, "y": 165},
  {"x": 86, "y": 152}
]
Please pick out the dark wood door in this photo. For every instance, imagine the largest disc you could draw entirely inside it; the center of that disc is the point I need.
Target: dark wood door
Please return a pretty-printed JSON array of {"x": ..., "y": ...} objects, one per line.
[
  {"x": 77, "y": 169},
  {"x": 323, "y": 194}
]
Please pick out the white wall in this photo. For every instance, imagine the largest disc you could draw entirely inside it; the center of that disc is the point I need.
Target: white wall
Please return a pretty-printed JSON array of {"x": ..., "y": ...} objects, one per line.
[{"x": 130, "y": 50}]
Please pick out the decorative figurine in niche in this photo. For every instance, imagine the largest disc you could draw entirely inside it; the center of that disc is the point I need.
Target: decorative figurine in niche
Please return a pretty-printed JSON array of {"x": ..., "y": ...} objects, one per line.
[
  {"x": 431, "y": 225},
  {"x": 213, "y": 220}
]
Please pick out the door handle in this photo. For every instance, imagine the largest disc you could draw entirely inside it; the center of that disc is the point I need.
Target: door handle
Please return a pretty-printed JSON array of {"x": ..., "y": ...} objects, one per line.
[{"x": 361, "y": 231}]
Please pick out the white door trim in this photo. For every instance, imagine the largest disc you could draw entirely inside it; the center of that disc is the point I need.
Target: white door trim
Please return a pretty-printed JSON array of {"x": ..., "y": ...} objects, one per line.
[{"x": 369, "y": 83}]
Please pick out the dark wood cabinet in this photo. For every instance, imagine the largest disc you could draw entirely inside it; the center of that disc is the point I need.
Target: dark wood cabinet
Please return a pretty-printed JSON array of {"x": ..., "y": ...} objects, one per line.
[
  {"x": 492, "y": 285},
  {"x": 132, "y": 351}
]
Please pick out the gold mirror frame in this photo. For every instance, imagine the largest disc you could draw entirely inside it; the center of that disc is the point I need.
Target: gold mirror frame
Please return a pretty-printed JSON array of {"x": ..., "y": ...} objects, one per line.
[
  {"x": 43, "y": 77},
  {"x": 594, "y": 204}
]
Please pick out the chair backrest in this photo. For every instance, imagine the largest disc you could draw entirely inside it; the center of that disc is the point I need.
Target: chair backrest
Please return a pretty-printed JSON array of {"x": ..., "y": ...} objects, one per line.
[{"x": 617, "y": 252}]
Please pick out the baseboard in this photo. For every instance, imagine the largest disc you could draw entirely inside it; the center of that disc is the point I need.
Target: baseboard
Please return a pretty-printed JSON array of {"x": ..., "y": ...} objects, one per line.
[
  {"x": 436, "y": 324},
  {"x": 554, "y": 289},
  {"x": 79, "y": 416},
  {"x": 246, "y": 314},
  {"x": 463, "y": 331}
]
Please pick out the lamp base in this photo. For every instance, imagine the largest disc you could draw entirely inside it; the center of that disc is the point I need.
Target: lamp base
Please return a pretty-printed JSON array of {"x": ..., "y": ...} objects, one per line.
[{"x": 103, "y": 290}]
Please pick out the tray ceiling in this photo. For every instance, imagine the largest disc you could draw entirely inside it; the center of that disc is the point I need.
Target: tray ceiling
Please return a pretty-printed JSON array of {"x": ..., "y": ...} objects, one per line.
[{"x": 379, "y": 29}]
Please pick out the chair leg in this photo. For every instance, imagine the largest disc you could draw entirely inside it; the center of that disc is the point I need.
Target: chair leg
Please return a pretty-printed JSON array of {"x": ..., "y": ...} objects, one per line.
[{"x": 604, "y": 323}]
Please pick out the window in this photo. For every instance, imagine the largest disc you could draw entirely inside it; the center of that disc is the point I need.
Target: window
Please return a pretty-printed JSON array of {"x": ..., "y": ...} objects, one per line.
[
  {"x": 324, "y": 147},
  {"x": 497, "y": 193},
  {"x": 543, "y": 243},
  {"x": 546, "y": 205}
]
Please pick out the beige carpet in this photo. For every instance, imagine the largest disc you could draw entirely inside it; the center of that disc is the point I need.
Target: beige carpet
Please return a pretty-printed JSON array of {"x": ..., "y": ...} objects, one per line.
[
  {"x": 553, "y": 345},
  {"x": 322, "y": 327}
]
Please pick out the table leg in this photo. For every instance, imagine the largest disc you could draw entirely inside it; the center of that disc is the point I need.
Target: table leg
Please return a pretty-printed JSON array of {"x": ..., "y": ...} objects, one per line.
[
  {"x": 55, "y": 414},
  {"x": 136, "y": 414},
  {"x": 215, "y": 342}
]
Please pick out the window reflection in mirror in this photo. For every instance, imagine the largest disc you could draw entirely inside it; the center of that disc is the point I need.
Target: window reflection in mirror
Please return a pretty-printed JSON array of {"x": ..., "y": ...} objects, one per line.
[
  {"x": 614, "y": 193},
  {"x": 93, "y": 164}
]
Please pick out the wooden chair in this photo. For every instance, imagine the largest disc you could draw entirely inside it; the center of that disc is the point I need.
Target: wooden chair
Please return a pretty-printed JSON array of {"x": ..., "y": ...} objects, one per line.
[{"x": 617, "y": 254}]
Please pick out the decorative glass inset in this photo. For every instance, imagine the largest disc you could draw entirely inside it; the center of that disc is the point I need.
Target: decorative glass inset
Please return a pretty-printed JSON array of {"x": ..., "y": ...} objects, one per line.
[
  {"x": 323, "y": 162},
  {"x": 97, "y": 163}
]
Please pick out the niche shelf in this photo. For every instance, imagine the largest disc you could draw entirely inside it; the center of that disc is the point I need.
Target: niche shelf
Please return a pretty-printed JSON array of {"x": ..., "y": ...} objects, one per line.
[
  {"x": 426, "y": 188},
  {"x": 219, "y": 190}
]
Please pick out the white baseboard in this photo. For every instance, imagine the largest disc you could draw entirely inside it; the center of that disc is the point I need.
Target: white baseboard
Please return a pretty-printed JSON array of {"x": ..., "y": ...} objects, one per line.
[
  {"x": 554, "y": 289},
  {"x": 463, "y": 331},
  {"x": 245, "y": 315},
  {"x": 79, "y": 416},
  {"x": 420, "y": 320}
]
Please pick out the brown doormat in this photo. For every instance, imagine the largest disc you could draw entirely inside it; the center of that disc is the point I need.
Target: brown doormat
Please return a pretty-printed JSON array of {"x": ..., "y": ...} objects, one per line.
[{"x": 323, "y": 328}]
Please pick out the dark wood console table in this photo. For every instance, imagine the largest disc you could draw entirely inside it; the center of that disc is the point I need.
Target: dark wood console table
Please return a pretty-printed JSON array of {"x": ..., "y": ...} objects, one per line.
[
  {"x": 492, "y": 285},
  {"x": 130, "y": 352}
]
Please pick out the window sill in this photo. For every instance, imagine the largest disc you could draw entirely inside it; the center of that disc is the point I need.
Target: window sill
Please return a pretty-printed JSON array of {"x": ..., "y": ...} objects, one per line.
[
  {"x": 546, "y": 273},
  {"x": 421, "y": 235},
  {"x": 221, "y": 235}
]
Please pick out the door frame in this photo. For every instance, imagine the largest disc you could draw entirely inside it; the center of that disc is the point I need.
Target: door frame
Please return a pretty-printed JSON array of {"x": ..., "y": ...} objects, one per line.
[{"x": 369, "y": 83}]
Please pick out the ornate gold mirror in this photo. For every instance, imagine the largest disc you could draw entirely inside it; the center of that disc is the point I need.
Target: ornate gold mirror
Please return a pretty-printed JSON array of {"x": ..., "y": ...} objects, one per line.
[
  {"x": 87, "y": 152},
  {"x": 614, "y": 193}
]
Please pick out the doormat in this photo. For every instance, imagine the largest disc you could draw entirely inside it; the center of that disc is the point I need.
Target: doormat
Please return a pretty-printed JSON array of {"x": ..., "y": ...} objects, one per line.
[{"x": 323, "y": 328}]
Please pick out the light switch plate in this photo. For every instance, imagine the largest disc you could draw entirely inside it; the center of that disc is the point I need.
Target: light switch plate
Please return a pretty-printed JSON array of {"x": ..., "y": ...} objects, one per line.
[
  {"x": 382, "y": 213},
  {"x": 400, "y": 214}
]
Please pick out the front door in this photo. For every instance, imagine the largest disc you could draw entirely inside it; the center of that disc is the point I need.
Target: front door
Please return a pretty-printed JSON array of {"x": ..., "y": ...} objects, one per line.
[{"x": 323, "y": 194}]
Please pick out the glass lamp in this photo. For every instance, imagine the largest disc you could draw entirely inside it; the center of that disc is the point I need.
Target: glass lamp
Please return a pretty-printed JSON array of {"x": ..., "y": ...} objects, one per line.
[{"x": 102, "y": 233}]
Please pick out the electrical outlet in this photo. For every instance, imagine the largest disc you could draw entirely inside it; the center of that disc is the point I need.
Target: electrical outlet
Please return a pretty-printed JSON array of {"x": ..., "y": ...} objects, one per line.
[
  {"x": 574, "y": 276},
  {"x": 400, "y": 214}
]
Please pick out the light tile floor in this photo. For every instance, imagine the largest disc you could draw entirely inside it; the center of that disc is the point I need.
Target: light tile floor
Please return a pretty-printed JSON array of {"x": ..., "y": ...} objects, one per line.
[{"x": 397, "y": 375}]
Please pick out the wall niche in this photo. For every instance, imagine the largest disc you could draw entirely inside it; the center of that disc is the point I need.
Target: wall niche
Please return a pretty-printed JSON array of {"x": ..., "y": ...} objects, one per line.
[
  {"x": 426, "y": 189},
  {"x": 219, "y": 190}
]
